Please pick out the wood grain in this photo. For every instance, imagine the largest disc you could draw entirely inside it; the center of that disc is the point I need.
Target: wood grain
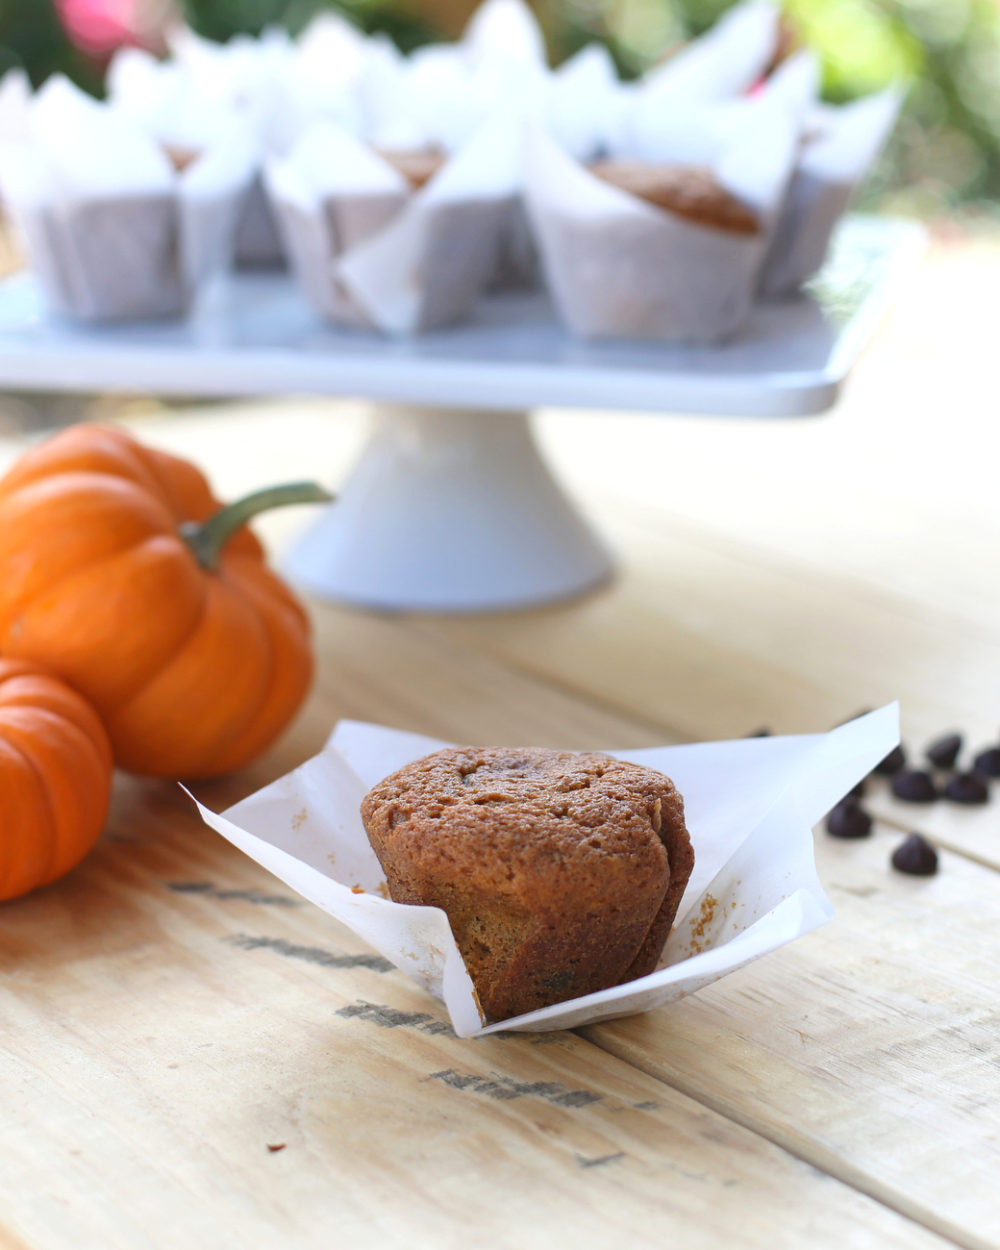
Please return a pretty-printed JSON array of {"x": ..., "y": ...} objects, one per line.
[
  {"x": 169, "y": 1012},
  {"x": 193, "y": 1057}
]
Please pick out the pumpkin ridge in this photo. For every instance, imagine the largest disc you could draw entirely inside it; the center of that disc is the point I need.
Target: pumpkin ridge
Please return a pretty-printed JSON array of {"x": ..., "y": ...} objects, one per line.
[
  {"x": 13, "y": 871},
  {"x": 47, "y": 804},
  {"x": 153, "y": 463},
  {"x": 260, "y": 674},
  {"x": 286, "y": 627},
  {"x": 60, "y": 590},
  {"x": 114, "y": 553},
  {"x": 60, "y": 859},
  {"x": 45, "y": 691},
  {"x": 264, "y": 581},
  {"x": 43, "y": 462}
]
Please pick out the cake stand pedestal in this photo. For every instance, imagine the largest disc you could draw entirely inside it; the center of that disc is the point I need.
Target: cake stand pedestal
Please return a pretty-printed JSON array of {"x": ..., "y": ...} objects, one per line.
[
  {"x": 451, "y": 508},
  {"x": 449, "y": 511}
]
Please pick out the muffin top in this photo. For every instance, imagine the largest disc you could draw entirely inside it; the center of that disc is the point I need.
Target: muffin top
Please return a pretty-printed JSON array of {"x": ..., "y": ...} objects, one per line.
[
  {"x": 417, "y": 165},
  {"x": 687, "y": 190},
  {"x": 542, "y": 814}
]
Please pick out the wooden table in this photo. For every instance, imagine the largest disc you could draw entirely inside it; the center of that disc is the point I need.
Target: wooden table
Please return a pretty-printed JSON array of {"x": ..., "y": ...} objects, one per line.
[{"x": 192, "y": 1057}]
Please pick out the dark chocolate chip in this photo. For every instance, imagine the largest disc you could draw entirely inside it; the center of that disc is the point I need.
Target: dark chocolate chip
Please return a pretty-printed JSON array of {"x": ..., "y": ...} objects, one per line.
[
  {"x": 763, "y": 732},
  {"x": 893, "y": 762},
  {"x": 943, "y": 751},
  {"x": 915, "y": 856},
  {"x": 858, "y": 791},
  {"x": 968, "y": 788},
  {"x": 914, "y": 785},
  {"x": 848, "y": 820},
  {"x": 987, "y": 762}
]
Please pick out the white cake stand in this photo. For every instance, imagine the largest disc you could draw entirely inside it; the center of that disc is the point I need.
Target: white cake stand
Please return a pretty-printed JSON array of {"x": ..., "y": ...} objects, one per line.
[{"x": 450, "y": 507}]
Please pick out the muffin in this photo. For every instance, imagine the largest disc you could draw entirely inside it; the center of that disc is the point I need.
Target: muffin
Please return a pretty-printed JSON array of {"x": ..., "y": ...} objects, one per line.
[
  {"x": 417, "y": 165},
  {"x": 560, "y": 874},
  {"x": 687, "y": 190}
]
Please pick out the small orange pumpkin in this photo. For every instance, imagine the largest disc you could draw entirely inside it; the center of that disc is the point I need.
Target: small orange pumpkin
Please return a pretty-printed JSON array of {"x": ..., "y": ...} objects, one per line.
[
  {"x": 121, "y": 572},
  {"x": 55, "y": 778}
]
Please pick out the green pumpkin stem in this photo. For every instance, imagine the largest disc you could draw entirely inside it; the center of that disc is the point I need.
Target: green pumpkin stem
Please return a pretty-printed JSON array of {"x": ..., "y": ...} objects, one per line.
[{"x": 207, "y": 538}]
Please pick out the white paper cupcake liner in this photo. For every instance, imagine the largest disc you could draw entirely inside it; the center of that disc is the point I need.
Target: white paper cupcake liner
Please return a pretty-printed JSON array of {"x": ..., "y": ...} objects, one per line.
[{"x": 750, "y": 807}]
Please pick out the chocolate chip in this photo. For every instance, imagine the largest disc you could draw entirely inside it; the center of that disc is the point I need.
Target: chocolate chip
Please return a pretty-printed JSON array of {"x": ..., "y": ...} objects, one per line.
[
  {"x": 914, "y": 785},
  {"x": 893, "y": 762},
  {"x": 987, "y": 762},
  {"x": 858, "y": 791},
  {"x": 968, "y": 788},
  {"x": 848, "y": 820},
  {"x": 943, "y": 751},
  {"x": 915, "y": 856}
]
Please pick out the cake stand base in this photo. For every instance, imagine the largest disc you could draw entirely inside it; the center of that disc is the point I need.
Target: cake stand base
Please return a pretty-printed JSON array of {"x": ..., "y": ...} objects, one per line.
[{"x": 449, "y": 511}]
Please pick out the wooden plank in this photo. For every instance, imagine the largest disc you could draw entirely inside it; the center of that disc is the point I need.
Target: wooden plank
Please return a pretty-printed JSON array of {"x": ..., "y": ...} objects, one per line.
[
  {"x": 823, "y": 1033},
  {"x": 192, "y": 1057},
  {"x": 870, "y": 1048},
  {"x": 817, "y": 1007}
]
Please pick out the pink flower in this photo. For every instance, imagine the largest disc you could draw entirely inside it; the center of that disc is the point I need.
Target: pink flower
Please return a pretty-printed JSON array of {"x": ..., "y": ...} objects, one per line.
[{"x": 100, "y": 26}]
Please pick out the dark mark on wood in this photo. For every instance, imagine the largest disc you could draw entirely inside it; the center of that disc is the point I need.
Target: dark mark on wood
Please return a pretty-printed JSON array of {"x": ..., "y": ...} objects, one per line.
[
  {"x": 390, "y": 1018},
  {"x": 600, "y": 1161},
  {"x": 260, "y": 897},
  {"x": 311, "y": 954},
  {"x": 505, "y": 1088},
  {"x": 645, "y": 1106}
]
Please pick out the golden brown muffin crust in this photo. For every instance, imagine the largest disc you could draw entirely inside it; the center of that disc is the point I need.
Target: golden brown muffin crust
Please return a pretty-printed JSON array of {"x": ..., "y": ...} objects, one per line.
[
  {"x": 687, "y": 190},
  {"x": 418, "y": 166},
  {"x": 555, "y": 869}
]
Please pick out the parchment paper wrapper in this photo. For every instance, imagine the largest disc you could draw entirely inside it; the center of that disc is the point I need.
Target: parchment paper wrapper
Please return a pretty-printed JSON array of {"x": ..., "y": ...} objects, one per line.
[
  {"x": 112, "y": 230},
  {"x": 369, "y": 251},
  {"x": 189, "y": 114},
  {"x": 839, "y": 146},
  {"x": 274, "y": 87},
  {"x": 622, "y": 268},
  {"x": 722, "y": 64},
  {"x": 750, "y": 807},
  {"x": 15, "y": 106}
]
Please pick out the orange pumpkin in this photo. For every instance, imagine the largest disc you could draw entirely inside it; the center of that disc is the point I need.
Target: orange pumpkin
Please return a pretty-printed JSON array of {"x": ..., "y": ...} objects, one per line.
[
  {"x": 121, "y": 572},
  {"x": 55, "y": 778}
]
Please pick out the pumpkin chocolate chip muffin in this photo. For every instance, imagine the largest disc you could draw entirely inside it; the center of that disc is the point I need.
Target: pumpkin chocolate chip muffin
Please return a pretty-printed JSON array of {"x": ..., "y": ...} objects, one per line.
[{"x": 560, "y": 873}]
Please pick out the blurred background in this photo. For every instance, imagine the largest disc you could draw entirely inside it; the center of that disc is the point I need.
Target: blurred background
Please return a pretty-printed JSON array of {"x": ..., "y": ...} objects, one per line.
[{"x": 943, "y": 164}]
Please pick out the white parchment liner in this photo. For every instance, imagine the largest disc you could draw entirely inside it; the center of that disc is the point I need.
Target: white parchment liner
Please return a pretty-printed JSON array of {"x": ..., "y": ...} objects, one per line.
[
  {"x": 112, "y": 230},
  {"x": 619, "y": 267},
  {"x": 839, "y": 147},
  {"x": 750, "y": 805},
  {"x": 368, "y": 250}
]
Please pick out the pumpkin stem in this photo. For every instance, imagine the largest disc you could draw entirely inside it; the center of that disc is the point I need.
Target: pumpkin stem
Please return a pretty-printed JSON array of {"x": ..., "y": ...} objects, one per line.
[{"x": 207, "y": 538}]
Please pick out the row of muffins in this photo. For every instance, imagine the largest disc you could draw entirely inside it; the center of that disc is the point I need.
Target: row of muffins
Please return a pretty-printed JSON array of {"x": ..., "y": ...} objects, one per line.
[{"x": 400, "y": 190}]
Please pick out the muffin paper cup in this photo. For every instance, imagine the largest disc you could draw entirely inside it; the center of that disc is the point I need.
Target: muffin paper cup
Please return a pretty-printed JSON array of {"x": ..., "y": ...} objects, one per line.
[
  {"x": 15, "y": 104},
  {"x": 723, "y": 63},
  {"x": 840, "y": 146},
  {"x": 112, "y": 231},
  {"x": 181, "y": 110},
  {"x": 618, "y": 267},
  {"x": 750, "y": 807},
  {"x": 368, "y": 250}
]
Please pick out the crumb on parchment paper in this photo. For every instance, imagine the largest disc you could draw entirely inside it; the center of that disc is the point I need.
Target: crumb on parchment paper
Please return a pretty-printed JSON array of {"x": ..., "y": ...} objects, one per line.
[{"x": 701, "y": 924}]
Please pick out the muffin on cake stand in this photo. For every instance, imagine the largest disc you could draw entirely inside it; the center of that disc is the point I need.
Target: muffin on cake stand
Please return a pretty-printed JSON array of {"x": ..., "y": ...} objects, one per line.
[{"x": 451, "y": 507}]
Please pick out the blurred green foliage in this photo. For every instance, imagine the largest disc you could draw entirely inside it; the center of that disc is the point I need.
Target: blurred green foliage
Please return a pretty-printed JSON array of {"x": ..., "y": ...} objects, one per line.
[{"x": 945, "y": 155}]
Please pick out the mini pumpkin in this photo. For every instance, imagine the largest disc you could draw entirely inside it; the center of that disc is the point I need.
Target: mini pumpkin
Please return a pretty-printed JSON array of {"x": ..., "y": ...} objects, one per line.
[
  {"x": 55, "y": 778},
  {"x": 122, "y": 572}
]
